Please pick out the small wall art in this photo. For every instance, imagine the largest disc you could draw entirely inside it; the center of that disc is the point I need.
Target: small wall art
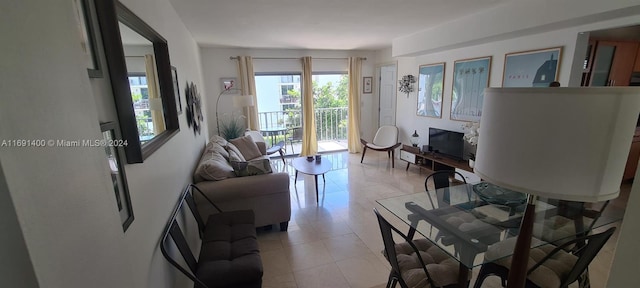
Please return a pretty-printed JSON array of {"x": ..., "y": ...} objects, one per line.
[
  {"x": 84, "y": 19},
  {"x": 112, "y": 143},
  {"x": 367, "y": 85},
  {"x": 176, "y": 89},
  {"x": 193, "y": 107}
]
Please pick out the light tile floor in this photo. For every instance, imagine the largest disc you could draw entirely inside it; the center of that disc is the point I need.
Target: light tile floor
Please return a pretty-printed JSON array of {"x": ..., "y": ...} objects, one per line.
[{"x": 336, "y": 242}]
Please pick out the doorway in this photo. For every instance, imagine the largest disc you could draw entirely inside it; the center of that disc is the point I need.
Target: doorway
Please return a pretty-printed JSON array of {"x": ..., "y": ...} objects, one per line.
[{"x": 387, "y": 95}]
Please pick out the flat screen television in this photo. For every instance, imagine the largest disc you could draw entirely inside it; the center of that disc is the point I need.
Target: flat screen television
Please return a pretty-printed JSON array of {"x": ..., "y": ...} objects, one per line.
[{"x": 448, "y": 143}]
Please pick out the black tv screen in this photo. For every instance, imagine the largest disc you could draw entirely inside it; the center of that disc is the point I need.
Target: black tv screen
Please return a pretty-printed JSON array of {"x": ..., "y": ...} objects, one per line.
[{"x": 448, "y": 143}]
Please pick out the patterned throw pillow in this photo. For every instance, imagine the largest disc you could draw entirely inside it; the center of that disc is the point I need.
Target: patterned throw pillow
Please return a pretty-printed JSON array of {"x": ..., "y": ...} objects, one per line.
[
  {"x": 250, "y": 168},
  {"x": 234, "y": 153}
]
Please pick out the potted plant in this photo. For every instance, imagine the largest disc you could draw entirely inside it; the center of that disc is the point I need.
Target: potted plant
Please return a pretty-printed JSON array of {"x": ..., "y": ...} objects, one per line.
[
  {"x": 472, "y": 159},
  {"x": 233, "y": 127}
]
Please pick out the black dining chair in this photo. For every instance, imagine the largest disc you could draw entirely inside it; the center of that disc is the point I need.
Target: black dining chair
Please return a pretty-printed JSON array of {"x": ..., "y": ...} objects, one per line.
[
  {"x": 554, "y": 265},
  {"x": 442, "y": 179},
  {"x": 439, "y": 179},
  {"x": 416, "y": 263}
]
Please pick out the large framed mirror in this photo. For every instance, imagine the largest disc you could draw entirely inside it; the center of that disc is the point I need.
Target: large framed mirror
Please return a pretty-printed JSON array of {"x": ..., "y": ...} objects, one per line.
[{"x": 140, "y": 72}]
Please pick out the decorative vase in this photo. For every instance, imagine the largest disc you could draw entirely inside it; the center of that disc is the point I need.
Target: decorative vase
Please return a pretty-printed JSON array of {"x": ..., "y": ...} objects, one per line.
[{"x": 472, "y": 163}]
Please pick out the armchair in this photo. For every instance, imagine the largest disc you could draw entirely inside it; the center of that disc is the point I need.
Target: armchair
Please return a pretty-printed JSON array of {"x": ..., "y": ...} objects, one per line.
[{"x": 386, "y": 139}]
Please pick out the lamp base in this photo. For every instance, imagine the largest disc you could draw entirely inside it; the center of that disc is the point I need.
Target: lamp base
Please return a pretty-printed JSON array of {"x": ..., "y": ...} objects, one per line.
[{"x": 520, "y": 259}]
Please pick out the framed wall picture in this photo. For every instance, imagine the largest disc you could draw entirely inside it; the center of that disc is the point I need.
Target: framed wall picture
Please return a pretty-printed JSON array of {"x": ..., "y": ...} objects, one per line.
[
  {"x": 534, "y": 68},
  {"x": 176, "y": 89},
  {"x": 430, "y": 84},
  {"x": 84, "y": 18},
  {"x": 470, "y": 77},
  {"x": 112, "y": 143},
  {"x": 367, "y": 85}
]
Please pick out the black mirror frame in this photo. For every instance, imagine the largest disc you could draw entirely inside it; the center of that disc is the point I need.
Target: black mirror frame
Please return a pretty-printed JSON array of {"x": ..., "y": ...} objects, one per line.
[{"x": 109, "y": 13}]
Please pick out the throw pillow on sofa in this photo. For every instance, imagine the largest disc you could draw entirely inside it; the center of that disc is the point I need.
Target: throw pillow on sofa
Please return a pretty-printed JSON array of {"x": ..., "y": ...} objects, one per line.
[
  {"x": 250, "y": 168},
  {"x": 215, "y": 168},
  {"x": 234, "y": 153},
  {"x": 247, "y": 147}
]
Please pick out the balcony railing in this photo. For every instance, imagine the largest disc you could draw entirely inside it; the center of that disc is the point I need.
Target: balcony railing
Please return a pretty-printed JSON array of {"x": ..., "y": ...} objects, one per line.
[{"x": 331, "y": 123}]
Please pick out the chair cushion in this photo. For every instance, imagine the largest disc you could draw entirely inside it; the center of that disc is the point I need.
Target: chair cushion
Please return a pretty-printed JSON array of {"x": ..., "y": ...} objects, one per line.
[
  {"x": 442, "y": 268},
  {"x": 230, "y": 255},
  {"x": 247, "y": 147},
  {"x": 549, "y": 274},
  {"x": 386, "y": 136}
]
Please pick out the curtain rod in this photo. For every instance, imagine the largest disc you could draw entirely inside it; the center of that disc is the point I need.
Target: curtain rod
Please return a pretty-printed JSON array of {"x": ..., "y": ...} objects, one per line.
[{"x": 294, "y": 58}]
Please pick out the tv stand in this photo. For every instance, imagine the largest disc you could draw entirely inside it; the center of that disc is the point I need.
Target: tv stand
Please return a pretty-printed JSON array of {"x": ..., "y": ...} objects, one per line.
[{"x": 431, "y": 160}]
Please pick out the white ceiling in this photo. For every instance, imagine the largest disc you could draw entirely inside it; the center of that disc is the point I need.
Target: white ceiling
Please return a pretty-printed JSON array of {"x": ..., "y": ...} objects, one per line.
[{"x": 317, "y": 24}]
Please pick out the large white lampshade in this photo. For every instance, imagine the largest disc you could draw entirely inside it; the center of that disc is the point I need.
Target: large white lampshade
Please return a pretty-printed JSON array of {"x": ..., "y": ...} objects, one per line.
[{"x": 561, "y": 143}]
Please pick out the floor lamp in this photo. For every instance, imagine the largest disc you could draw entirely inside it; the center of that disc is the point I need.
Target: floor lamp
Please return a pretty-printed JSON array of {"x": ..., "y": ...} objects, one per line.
[
  {"x": 561, "y": 143},
  {"x": 224, "y": 91},
  {"x": 244, "y": 101}
]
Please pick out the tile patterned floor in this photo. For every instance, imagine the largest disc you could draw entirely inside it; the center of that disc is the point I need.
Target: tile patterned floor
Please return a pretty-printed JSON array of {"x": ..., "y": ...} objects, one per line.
[{"x": 336, "y": 242}]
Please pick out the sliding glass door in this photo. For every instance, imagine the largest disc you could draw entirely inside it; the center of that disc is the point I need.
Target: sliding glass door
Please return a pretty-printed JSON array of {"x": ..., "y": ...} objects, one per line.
[{"x": 280, "y": 109}]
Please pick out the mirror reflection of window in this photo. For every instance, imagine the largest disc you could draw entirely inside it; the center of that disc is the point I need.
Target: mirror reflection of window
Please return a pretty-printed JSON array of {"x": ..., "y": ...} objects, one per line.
[{"x": 143, "y": 84}]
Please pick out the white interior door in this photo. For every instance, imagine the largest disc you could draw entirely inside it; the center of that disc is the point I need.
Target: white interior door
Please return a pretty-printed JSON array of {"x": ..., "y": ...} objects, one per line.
[{"x": 387, "y": 109}]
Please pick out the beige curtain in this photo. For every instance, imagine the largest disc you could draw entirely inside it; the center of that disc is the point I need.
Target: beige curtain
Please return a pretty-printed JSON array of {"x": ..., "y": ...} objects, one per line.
[
  {"x": 248, "y": 87},
  {"x": 309, "y": 140},
  {"x": 353, "y": 130},
  {"x": 155, "y": 102}
]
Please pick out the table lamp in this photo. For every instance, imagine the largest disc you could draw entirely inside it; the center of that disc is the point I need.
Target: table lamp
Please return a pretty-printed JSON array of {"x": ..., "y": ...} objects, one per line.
[{"x": 561, "y": 143}]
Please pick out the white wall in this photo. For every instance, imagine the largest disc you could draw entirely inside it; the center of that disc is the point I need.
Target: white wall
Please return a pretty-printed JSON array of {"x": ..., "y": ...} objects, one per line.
[
  {"x": 63, "y": 197},
  {"x": 216, "y": 64},
  {"x": 407, "y": 120}
]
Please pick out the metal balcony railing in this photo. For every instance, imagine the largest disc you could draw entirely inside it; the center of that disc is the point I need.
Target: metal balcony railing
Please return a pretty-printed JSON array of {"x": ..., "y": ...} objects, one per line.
[{"x": 331, "y": 123}]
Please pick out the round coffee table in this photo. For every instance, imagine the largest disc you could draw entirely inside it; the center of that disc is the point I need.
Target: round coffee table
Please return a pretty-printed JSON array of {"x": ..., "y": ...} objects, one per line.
[{"x": 313, "y": 167}]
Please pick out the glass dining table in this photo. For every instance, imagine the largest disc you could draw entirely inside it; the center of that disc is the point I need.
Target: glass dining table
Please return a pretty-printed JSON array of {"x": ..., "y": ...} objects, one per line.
[{"x": 465, "y": 220}]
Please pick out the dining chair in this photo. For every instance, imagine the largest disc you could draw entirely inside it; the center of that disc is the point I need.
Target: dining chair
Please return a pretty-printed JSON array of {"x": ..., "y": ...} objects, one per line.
[
  {"x": 550, "y": 265},
  {"x": 416, "y": 263},
  {"x": 386, "y": 139},
  {"x": 463, "y": 220},
  {"x": 442, "y": 179},
  {"x": 278, "y": 147},
  {"x": 439, "y": 179},
  {"x": 294, "y": 135}
]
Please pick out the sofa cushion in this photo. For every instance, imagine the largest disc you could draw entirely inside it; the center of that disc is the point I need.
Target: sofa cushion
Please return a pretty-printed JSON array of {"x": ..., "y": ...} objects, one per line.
[
  {"x": 214, "y": 168},
  {"x": 251, "y": 168},
  {"x": 247, "y": 147},
  {"x": 234, "y": 153}
]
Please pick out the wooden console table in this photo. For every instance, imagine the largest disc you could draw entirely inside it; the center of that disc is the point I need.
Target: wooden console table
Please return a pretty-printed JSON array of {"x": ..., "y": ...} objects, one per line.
[{"x": 431, "y": 161}]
